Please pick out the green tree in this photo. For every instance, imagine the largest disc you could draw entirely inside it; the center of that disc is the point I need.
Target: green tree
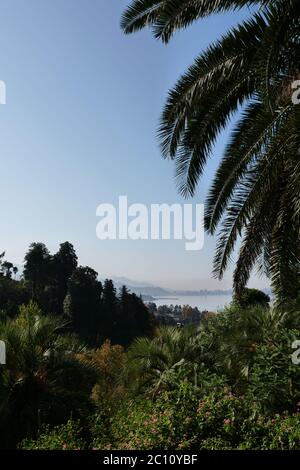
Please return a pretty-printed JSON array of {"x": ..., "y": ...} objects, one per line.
[
  {"x": 83, "y": 303},
  {"x": 251, "y": 297},
  {"x": 153, "y": 363},
  {"x": 109, "y": 293},
  {"x": 231, "y": 339},
  {"x": 152, "y": 307},
  {"x": 110, "y": 318},
  {"x": 39, "y": 381},
  {"x": 133, "y": 318},
  {"x": 13, "y": 294},
  {"x": 37, "y": 268},
  {"x": 256, "y": 190},
  {"x": 7, "y": 269},
  {"x": 63, "y": 264},
  {"x": 109, "y": 390}
]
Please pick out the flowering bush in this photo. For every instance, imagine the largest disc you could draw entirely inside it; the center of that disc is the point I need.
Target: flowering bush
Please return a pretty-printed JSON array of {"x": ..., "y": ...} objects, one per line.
[
  {"x": 278, "y": 432},
  {"x": 64, "y": 437},
  {"x": 186, "y": 420},
  {"x": 181, "y": 419},
  {"x": 242, "y": 391}
]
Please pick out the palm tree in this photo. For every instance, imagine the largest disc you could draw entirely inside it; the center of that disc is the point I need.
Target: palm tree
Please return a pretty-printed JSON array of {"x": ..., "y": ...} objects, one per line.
[
  {"x": 231, "y": 339},
  {"x": 248, "y": 74},
  {"x": 152, "y": 364},
  {"x": 41, "y": 372}
]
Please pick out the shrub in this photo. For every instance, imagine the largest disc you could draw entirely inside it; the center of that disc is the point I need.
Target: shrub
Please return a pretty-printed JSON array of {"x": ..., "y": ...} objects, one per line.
[
  {"x": 274, "y": 381},
  {"x": 251, "y": 297},
  {"x": 63, "y": 437},
  {"x": 278, "y": 432},
  {"x": 182, "y": 419}
]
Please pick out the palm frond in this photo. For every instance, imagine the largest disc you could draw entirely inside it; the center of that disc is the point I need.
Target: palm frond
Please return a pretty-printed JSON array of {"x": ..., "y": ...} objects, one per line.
[{"x": 167, "y": 16}]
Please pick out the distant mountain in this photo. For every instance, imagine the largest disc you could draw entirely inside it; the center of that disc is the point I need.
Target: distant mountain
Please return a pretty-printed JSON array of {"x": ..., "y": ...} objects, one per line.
[
  {"x": 139, "y": 288},
  {"x": 156, "y": 292},
  {"x": 151, "y": 292},
  {"x": 125, "y": 281}
]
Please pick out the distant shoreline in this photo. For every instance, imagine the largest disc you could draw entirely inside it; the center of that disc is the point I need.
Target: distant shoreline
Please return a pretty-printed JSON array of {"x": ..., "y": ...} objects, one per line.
[
  {"x": 165, "y": 298},
  {"x": 190, "y": 295}
]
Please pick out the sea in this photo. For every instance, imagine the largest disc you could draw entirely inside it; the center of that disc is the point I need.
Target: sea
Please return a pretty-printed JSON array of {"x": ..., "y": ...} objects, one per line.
[{"x": 211, "y": 303}]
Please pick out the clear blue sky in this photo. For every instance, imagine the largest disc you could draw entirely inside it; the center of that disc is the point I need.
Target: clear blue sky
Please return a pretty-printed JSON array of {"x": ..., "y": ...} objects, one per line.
[{"x": 78, "y": 129}]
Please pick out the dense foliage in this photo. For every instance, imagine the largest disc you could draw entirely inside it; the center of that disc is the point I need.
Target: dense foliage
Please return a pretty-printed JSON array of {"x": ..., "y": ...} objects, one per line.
[
  {"x": 229, "y": 383},
  {"x": 89, "y": 368},
  {"x": 39, "y": 382},
  {"x": 92, "y": 310}
]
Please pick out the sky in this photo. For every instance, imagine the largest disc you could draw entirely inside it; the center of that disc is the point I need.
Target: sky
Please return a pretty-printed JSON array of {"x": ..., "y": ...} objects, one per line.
[{"x": 79, "y": 129}]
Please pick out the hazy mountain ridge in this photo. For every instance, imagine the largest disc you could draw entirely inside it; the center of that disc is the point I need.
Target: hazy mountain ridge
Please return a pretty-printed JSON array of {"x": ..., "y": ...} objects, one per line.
[{"x": 148, "y": 290}]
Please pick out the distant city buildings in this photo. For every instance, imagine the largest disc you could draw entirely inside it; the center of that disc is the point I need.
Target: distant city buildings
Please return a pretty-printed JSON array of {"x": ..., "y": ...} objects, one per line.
[{"x": 178, "y": 314}]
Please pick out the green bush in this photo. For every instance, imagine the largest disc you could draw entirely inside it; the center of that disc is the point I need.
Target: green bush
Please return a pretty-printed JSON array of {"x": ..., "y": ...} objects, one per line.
[
  {"x": 64, "y": 437},
  {"x": 279, "y": 432},
  {"x": 185, "y": 419},
  {"x": 274, "y": 381},
  {"x": 182, "y": 419},
  {"x": 237, "y": 388}
]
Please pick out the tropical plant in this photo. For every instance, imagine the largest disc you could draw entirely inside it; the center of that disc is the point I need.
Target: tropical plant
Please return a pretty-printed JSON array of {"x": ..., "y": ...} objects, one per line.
[
  {"x": 249, "y": 73},
  {"x": 229, "y": 384},
  {"x": 274, "y": 380},
  {"x": 231, "y": 340},
  {"x": 152, "y": 363},
  {"x": 225, "y": 344},
  {"x": 41, "y": 372},
  {"x": 251, "y": 297}
]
